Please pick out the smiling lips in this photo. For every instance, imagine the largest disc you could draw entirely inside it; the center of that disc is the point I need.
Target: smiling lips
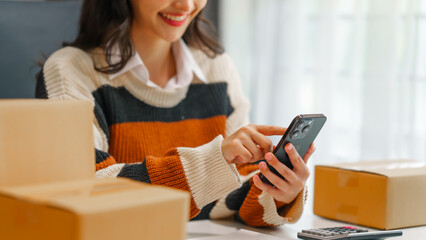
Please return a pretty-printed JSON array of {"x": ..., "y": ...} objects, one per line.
[{"x": 175, "y": 20}]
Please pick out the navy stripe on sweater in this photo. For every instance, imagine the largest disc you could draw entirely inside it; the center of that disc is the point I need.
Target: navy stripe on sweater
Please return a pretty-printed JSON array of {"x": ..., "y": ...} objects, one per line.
[
  {"x": 101, "y": 156},
  {"x": 137, "y": 171},
  {"x": 236, "y": 198},
  {"x": 202, "y": 101}
]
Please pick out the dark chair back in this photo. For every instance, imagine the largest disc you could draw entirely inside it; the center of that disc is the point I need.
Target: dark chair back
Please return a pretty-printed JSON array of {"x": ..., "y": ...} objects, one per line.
[{"x": 29, "y": 29}]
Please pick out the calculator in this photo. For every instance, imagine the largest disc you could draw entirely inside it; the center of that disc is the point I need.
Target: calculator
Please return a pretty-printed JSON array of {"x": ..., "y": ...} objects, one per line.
[{"x": 345, "y": 233}]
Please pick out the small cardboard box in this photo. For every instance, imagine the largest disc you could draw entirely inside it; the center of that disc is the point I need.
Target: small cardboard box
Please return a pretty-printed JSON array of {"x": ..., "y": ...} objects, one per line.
[
  {"x": 44, "y": 141},
  {"x": 107, "y": 209},
  {"x": 379, "y": 194}
]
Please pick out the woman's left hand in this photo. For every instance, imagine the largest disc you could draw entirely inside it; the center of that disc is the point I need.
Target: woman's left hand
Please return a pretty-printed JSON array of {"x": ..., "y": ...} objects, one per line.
[{"x": 287, "y": 189}]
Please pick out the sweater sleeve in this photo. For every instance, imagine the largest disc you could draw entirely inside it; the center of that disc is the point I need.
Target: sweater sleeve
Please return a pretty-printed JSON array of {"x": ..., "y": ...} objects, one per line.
[
  {"x": 177, "y": 169},
  {"x": 251, "y": 206},
  {"x": 261, "y": 210},
  {"x": 248, "y": 204},
  {"x": 194, "y": 170}
]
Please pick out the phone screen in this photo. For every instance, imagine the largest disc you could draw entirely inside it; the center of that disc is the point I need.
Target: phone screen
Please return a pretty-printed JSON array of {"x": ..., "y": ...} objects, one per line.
[{"x": 301, "y": 133}]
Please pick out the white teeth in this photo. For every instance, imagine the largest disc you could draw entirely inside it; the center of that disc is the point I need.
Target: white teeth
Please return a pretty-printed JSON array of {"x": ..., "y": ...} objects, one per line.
[{"x": 174, "y": 18}]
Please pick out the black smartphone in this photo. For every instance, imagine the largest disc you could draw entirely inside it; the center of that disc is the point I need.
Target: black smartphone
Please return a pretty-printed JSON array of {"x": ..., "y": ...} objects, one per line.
[{"x": 301, "y": 133}]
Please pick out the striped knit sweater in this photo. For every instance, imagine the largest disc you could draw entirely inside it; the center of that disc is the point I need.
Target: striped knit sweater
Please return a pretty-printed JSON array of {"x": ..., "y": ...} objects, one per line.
[{"x": 169, "y": 137}]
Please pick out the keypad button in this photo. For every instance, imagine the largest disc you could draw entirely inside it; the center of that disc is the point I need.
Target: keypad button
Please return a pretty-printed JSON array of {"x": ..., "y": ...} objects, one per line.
[{"x": 330, "y": 233}]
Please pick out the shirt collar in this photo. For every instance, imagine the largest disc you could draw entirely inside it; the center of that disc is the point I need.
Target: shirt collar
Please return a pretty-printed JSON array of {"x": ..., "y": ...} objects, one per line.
[{"x": 186, "y": 66}]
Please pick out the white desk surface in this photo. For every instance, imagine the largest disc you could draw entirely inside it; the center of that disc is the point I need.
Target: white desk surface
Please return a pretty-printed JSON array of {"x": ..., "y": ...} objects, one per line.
[{"x": 207, "y": 228}]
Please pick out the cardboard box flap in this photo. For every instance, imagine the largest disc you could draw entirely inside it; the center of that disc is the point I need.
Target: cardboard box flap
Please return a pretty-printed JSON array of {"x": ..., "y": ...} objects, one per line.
[
  {"x": 107, "y": 209},
  {"x": 93, "y": 195},
  {"x": 390, "y": 168}
]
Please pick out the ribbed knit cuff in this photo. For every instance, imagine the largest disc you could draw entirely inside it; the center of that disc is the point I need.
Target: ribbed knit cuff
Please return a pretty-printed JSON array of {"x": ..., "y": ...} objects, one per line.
[
  {"x": 110, "y": 172},
  {"x": 209, "y": 175},
  {"x": 290, "y": 213}
]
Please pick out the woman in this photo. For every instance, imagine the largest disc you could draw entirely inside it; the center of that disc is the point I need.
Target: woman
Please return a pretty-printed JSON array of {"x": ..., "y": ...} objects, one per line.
[{"x": 169, "y": 110}]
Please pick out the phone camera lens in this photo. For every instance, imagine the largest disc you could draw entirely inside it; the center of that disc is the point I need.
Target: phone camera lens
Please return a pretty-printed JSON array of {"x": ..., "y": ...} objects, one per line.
[
  {"x": 306, "y": 129},
  {"x": 300, "y": 125},
  {"x": 295, "y": 134}
]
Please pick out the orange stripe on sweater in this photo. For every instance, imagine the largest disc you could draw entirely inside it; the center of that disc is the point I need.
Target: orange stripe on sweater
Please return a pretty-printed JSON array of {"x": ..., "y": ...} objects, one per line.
[
  {"x": 105, "y": 163},
  {"x": 133, "y": 142},
  {"x": 168, "y": 171},
  {"x": 247, "y": 168},
  {"x": 251, "y": 212}
]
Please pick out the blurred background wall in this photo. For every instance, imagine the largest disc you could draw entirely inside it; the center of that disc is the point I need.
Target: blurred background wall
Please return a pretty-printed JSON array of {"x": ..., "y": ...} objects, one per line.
[{"x": 360, "y": 62}]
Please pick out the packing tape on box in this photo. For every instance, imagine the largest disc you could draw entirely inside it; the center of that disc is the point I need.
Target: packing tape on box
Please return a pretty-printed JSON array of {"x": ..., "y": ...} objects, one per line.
[{"x": 346, "y": 180}]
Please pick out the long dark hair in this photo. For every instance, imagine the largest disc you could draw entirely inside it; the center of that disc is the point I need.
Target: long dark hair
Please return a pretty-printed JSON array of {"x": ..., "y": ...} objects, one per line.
[{"x": 104, "y": 23}]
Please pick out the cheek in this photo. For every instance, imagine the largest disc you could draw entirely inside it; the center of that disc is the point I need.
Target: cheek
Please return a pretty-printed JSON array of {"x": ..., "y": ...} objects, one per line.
[
  {"x": 145, "y": 9},
  {"x": 200, "y": 4}
]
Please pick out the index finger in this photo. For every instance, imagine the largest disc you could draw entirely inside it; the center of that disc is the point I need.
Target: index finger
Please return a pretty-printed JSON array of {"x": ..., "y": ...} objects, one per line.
[
  {"x": 309, "y": 153},
  {"x": 270, "y": 130}
]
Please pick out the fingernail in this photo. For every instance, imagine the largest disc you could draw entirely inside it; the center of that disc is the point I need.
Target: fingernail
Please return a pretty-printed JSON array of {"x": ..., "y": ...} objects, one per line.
[
  {"x": 290, "y": 146},
  {"x": 268, "y": 157}
]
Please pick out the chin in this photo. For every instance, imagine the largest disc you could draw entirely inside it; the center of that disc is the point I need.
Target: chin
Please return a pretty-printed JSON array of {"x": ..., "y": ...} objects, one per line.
[{"x": 173, "y": 37}]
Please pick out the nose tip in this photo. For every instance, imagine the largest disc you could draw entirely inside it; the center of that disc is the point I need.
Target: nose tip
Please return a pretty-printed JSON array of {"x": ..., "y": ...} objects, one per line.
[{"x": 185, "y": 5}]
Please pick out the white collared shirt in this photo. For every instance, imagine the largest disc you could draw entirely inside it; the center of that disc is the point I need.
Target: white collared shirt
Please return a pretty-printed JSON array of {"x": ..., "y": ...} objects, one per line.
[{"x": 186, "y": 67}]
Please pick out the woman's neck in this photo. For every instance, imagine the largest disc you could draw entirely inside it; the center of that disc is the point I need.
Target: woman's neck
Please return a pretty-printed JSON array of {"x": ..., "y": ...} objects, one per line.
[{"x": 157, "y": 56}]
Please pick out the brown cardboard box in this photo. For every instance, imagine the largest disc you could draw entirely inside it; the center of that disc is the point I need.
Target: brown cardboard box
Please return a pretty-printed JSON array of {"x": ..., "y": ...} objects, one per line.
[
  {"x": 379, "y": 194},
  {"x": 107, "y": 209},
  {"x": 44, "y": 141}
]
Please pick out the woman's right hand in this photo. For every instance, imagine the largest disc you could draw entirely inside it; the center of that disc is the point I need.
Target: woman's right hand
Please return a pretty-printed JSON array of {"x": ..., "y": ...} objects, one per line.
[{"x": 249, "y": 143}]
